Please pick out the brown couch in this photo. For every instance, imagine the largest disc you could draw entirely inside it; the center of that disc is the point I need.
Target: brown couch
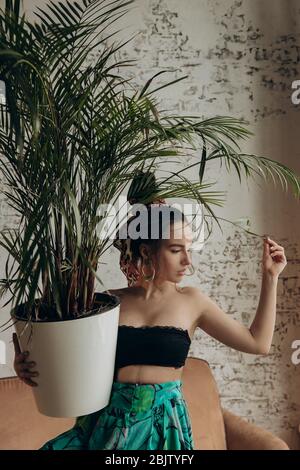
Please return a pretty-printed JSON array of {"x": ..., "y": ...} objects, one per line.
[{"x": 23, "y": 427}]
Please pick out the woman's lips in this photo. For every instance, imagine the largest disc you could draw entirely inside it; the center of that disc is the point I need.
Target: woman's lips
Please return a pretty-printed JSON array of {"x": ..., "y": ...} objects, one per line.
[{"x": 181, "y": 272}]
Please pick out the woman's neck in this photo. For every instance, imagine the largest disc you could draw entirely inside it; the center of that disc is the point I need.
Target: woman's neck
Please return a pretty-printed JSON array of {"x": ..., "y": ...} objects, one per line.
[{"x": 154, "y": 291}]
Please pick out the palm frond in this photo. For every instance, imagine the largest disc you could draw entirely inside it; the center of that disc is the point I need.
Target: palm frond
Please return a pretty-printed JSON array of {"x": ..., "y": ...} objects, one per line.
[{"x": 74, "y": 132}]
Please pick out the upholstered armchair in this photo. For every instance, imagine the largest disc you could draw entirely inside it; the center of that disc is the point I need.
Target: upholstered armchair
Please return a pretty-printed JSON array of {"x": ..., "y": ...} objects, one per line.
[{"x": 214, "y": 428}]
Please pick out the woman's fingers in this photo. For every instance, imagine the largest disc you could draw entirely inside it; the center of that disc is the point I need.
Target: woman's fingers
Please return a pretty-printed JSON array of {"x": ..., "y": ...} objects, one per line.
[
  {"x": 30, "y": 364},
  {"x": 277, "y": 253},
  {"x": 21, "y": 357},
  {"x": 16, "y": 344},
  {"x": 26, "y": 365},
  {"x": 26, "y": 377},
  {"x": 30, "y": 382},
  {"x": 274, "y": 246},
  {"x": 22, "y": 366},
  {"x": 27, "y": 374}
]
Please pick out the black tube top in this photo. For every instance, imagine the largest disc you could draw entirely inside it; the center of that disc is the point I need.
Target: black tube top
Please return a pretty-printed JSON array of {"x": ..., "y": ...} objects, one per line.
[{"x": 152, "y": 345}]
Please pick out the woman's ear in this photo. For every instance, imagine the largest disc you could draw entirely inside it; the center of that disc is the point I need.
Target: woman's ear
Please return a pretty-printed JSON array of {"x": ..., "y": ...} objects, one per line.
[{"x": 144, "y": 251}]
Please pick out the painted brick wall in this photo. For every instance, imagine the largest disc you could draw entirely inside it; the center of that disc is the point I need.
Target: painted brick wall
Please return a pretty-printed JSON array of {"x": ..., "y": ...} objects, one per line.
[{"x": 241, "y": 57}]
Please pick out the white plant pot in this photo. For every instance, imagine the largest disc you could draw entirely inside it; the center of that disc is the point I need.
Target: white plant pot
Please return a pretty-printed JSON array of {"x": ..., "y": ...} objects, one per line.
[{"x": 75, "y": 360}]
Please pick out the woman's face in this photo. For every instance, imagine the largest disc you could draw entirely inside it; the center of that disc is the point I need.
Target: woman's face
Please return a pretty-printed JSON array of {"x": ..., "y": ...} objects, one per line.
[{"x": 173, "y": 257}]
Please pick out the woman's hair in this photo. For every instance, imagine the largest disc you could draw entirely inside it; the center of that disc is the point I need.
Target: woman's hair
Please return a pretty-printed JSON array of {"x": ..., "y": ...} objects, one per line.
[
  {"x": 151, "y": 225},
  {"x": 154, "y": 219}
]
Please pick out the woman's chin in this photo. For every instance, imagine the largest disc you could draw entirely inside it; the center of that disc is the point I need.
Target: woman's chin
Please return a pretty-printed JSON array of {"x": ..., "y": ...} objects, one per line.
[{"x": 178, "y": 277}]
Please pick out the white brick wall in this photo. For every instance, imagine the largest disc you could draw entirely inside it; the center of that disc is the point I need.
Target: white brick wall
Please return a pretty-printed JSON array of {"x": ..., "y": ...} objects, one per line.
[{"x": 241, "y": 57}]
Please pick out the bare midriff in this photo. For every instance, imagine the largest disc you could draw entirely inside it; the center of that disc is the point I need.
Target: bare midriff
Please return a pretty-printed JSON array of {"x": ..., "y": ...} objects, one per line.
[{"x": 148, "y": 374}]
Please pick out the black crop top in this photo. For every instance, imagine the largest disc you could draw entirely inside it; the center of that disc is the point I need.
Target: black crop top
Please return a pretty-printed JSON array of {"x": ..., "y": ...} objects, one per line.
[{"x": 152, "y": 345}]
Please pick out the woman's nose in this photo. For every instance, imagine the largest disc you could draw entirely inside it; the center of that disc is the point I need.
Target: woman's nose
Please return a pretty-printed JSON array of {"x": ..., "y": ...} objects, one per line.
[{"x": 187, "y": 259}]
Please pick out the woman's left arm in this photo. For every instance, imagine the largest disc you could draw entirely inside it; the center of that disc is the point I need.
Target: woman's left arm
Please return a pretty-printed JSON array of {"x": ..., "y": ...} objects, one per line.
[
  {"x": 258, "y": 338},
  {"x": 262, "y": 327}
]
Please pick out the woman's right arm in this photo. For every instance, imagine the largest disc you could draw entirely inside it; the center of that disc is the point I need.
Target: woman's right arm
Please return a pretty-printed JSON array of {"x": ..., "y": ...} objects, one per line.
[{"x": 21, "y": 366}]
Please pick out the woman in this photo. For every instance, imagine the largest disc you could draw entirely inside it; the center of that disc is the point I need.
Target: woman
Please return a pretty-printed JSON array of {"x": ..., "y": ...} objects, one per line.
[{"x": 157, "y": 321}]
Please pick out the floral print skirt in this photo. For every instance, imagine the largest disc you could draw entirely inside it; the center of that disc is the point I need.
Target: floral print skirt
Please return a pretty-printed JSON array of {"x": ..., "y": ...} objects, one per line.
[{"x": 137, "y": 417}]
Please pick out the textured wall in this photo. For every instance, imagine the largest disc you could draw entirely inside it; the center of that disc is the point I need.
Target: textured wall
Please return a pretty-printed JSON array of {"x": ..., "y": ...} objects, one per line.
[{"x": 241, "y": 57}]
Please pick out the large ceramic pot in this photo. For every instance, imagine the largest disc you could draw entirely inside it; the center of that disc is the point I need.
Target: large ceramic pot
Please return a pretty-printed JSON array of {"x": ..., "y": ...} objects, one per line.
[{"x": 75, "y": 358}]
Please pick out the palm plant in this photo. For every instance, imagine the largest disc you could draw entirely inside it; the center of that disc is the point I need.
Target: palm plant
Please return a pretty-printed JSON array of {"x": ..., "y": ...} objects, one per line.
[{"x": 73, "y": 133}]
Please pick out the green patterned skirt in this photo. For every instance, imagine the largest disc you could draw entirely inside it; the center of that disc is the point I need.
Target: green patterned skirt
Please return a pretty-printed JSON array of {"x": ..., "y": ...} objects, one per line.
[{"x": 137, "y": 417}]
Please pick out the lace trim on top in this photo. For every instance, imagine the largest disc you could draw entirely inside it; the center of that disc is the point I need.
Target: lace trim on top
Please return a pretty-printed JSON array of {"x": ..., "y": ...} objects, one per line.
[{"x": 162, "y": 327}]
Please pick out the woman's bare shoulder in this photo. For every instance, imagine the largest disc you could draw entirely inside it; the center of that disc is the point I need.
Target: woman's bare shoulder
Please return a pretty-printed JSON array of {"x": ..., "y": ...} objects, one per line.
[
  {"x": 118, "y": 292},
  {"x": 197, "y": 297},
  {"x": 192, "y": 291}
]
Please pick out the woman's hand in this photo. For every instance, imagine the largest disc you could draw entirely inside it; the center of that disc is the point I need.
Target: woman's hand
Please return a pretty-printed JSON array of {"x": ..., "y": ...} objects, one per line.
[
  {"x": 274, "y": 260},
  {"x": 21, "y": 366}
]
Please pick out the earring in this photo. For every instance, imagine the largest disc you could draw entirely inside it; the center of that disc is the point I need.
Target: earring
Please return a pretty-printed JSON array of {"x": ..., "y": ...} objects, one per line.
[
  {"x": 192, "y": 271},
  {"x": 148, "y": 277}
]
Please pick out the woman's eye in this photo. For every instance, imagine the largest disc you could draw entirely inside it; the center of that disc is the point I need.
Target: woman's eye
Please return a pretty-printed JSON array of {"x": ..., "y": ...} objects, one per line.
[{"x": 173, "y": 251}]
